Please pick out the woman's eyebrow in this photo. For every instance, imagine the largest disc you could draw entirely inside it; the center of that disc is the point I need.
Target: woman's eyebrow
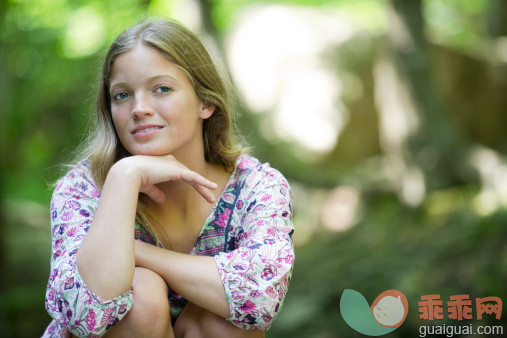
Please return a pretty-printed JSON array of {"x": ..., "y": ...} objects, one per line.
[
  {"x": 152, "y": 78},
  {"x": 161, "y": 76},
  {"x": 116, "y": 84}
]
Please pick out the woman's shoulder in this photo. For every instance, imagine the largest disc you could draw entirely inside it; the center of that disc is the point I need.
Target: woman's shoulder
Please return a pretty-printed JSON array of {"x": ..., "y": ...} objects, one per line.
[
  {"x": 78, "y": 179},
  {"x": 246, "y": 162},
  {"x": 257, "y": 174}
]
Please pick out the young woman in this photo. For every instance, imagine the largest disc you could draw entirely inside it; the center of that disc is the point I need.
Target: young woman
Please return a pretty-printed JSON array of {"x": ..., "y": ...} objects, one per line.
[{"x": 164, "y": 227}]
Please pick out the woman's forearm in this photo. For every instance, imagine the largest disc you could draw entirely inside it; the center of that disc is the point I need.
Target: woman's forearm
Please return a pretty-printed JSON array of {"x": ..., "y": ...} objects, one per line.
[
  {"x": 105, "y": 259},
  {"x": 194, "y": 277}
]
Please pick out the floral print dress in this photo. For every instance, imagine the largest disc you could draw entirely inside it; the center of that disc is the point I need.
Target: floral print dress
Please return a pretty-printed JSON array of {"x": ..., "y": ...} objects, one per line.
[{"x": 248, "y": 232}]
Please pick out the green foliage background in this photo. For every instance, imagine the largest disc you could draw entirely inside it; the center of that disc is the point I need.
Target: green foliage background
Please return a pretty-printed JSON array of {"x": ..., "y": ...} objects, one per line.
[{"x": 442, "y": 245}]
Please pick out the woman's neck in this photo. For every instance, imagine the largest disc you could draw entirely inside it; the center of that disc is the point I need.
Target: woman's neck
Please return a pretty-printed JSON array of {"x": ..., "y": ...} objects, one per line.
[{"x": 183, "y": 202}]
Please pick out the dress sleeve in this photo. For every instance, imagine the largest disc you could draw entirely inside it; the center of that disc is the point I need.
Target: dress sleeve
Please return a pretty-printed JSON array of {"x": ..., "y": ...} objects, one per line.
[
  {"x": 68, "y": 300},
  {"x": 257, "y": 273}
]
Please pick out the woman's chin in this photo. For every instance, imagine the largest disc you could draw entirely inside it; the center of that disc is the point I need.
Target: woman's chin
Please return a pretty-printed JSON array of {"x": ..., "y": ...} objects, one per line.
[{"x": 151, "y": 152}]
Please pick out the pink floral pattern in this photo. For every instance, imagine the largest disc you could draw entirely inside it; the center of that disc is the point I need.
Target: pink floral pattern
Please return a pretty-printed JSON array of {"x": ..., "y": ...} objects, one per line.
[
  {"x": 72, "y": 305},
  {"x": 249, "y": 233},
  {"x": 256, "y": 264}
]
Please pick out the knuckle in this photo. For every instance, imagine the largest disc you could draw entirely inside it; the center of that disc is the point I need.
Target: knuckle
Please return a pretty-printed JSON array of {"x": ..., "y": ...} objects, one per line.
[{"x": 192, "y": 174}]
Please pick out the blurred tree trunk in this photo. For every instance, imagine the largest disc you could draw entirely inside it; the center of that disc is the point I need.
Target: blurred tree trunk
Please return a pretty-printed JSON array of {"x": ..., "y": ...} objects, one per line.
[
  {"x": 474, "y": 88},
  {"x": 206, "y": 8},
  {"x": 431, "y": 154},
  {"x": 496, "y": 18},
  {"x": 210, "y": 28}
]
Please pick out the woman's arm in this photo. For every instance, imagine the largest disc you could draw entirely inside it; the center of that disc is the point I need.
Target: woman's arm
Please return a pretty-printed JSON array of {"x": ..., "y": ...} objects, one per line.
[
  {"x": 106, "y": 258},
  {"x": 257, "y": 273},
  {"x": 92, "y": 303},
  {"x": 69, "y": 301},
  {"x": 194, "y": 277},
  {"x": 246, "y": 285}
]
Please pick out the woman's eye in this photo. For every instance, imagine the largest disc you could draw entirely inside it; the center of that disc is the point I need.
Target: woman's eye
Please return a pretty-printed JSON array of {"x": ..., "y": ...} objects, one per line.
[
  {"x": 120, "y": 96},
  {"x": 163, "y": 89}
]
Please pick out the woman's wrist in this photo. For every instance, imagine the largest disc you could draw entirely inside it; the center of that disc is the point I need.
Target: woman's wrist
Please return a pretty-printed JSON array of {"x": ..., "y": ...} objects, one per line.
[
  {"x": 124, "y": 171},
  {"x": 143, "y": 252}
]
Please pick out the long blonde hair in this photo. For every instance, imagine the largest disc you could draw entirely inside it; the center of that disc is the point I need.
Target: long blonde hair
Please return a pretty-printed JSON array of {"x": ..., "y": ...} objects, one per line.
[{"x": 179, "y": 45}]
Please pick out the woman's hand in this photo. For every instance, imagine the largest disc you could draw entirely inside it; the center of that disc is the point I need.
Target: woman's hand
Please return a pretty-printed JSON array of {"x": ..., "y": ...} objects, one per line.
[
  {"x": 151, "y": 170},
  {"x": 108, "y": 267}
]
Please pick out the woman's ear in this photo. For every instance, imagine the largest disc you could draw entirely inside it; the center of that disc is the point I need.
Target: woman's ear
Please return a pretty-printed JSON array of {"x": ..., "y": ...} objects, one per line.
[{"x": 207, "y": 110}]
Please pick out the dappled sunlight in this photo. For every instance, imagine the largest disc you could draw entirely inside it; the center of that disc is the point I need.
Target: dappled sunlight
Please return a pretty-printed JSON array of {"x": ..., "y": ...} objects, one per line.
[
  {"x": 413, "y": 188},
  {"x": 339, "y": 212},
  {"x": 500, "y": 48},
  {"x": 493, "y": 171},
  {"x": 397, "y": 121},
  {"x": 275, "y": 56},
  {"x": 318, "y": 209},
  {"x": 451, "y": 24},
  {"x": 307, "y": 112},
  {"x": 184, "y": 11},
  {"x": 85, "y": 33},
  {"x": 398, "y": 117}
]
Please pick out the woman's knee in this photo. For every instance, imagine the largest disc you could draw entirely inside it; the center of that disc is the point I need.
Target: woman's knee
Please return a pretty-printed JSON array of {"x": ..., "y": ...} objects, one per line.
[
  {"x": 149, "y": 315},
  {"x": 150, "y": 297}
]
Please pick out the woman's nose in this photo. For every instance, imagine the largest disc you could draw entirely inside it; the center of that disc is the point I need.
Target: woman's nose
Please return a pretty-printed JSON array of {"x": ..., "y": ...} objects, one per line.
[{"x": 142, "y": 106}]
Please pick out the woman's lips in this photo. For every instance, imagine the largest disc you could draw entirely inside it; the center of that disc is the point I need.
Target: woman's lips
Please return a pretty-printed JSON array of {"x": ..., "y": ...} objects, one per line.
[{"x": 145, "y": 129}]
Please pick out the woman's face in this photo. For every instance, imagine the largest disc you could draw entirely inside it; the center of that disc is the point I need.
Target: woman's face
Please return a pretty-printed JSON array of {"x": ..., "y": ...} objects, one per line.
[{"x": 154, "y": 107}]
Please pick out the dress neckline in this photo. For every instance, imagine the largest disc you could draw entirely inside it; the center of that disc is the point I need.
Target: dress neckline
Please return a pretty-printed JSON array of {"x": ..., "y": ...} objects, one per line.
[{"x": 211, "y": 214}]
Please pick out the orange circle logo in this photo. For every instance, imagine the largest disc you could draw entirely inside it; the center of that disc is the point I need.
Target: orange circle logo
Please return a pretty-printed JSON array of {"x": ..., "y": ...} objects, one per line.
[{"x": 390, "y": 308}]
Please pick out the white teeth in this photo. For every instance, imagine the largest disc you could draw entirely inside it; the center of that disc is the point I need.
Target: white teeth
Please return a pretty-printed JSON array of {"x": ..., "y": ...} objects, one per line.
[{"x": 146, "y": 129}]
